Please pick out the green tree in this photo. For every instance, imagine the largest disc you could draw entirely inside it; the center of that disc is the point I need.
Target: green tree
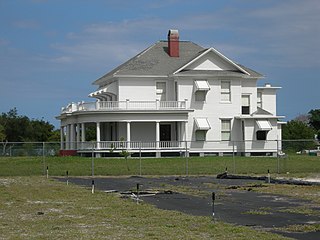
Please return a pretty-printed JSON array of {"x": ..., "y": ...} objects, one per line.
[
  {"x": 2, "y": 134},
  {"x": 297, "y": 130},
  {"x": 19, "y": 128},
  {"x": 314, "y": 120}
]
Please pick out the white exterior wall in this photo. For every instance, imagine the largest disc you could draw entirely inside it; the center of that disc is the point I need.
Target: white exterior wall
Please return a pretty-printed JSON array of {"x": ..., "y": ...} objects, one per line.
[
  {"x": 213, "y": 108},
  {"x": 136, "y": 89},
  {"x": 143, "y": 89},
  {"x": 269, "y": 100},
  {"x": 249, "y": 87}
]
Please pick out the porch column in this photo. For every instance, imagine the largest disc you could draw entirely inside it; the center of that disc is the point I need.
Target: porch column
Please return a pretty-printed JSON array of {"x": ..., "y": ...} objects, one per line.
[
  {"x": 157, "y": 134},
  {"x": 67, "y": 137},
  {"x": 186, "y": 137},
  {"x": 83, "y": 132},
  {"x": 128, "y": 134},
  {"x": 98, "y": 135},
  {"x": 72, "y": 135},
  {"x": 78, "y": 136},
  {"x": 62, "y": 137},
  {"x": 185, "y": 131}
]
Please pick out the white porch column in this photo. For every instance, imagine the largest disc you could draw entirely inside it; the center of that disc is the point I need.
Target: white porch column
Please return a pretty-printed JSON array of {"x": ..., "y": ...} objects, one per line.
[
  {"x": 128, "y": 133},
  {"x": 98, "y": 135},
  {"x": 83, "y": 132},
  {"x": 186, "y": 131},
  {"x": 78, "y": 136},
  {"x": 72, "y": 135},
  {"x": 62, "y": 138},
  {"x": 67, "y": 137},
  {"x": 157, "y": 134},
  {"x": 186, "y": 137}
]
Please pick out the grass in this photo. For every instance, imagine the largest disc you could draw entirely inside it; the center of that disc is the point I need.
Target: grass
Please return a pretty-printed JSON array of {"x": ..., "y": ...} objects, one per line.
[
  {"x": 295, "y": 165},
  {"x": 39, "y": 208},
  {"x": 303, "y": 228},
  {"x": 310, "y": 193}
]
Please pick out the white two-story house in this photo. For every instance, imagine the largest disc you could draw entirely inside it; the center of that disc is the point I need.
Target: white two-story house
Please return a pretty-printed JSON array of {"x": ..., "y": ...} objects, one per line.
[{"x": 173, "y": 98}]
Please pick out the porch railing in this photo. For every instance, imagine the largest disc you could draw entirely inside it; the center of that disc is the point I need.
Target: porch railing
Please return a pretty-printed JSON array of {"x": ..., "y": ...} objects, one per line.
[
  {"x": 124, "y": 105},
  {"x": 123, "y": 145}
]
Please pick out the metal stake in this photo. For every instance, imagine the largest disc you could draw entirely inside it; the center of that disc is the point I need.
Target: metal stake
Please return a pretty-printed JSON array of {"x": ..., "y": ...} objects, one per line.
[
  {"x": 213, "y": 199},
  {"x": 67, "y": 178}
]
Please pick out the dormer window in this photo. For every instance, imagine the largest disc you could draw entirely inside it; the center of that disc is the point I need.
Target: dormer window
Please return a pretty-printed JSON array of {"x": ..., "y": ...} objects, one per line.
[{"x": 201, "y": 89}]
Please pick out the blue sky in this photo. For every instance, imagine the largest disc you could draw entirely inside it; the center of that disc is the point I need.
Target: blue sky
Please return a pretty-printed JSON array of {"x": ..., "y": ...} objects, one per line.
[{"x": 52, "y": 50}]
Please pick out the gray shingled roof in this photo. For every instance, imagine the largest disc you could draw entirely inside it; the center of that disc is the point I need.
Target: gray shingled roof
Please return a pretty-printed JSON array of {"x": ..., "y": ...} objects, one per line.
[{"x": 155, "y": 61}]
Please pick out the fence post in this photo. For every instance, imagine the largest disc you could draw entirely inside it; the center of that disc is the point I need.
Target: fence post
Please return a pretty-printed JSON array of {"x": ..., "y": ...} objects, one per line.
[
  {"x": 278, "y": 158},
  {"x": 43, "y": 159},
  {"x": 233, "y": 158},
  {"x": 140, "y": 158},
  {"x": 92, "y": 161},
  {"x": 187, "y": 163}
]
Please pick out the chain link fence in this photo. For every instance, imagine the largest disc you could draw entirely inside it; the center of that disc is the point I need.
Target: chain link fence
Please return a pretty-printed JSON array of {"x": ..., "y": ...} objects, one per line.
[{"x": 279, "y": 157}]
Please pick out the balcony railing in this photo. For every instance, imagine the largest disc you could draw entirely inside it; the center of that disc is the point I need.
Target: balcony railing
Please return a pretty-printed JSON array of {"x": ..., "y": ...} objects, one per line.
[{"x": 124, "y": 105}]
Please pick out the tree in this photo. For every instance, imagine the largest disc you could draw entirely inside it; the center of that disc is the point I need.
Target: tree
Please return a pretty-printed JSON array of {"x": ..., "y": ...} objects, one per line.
[
  {"x": 314, "y": 120},
  {"x": 2, "y": 134},
  {"x": 297, "y": 130},
  {"x": 19, "y": 128}
]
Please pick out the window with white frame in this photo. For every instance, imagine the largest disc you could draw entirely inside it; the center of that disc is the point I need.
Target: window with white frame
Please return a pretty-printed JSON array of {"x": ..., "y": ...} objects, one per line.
[
  {"x": 225, "y": 91},
  {"x": 201, "y": 89},
  {"x": 200, "y": 96},
  {"x": 259, "y": 99},
  {"x": 161, "y": 91},
  {"x": 201, "y": 135},
  {"x": 245, "y": 104},
  {"x": 202, "y": 126},
  {"x": 226, "y": 129},
  {"x": 261, "y": 135}
]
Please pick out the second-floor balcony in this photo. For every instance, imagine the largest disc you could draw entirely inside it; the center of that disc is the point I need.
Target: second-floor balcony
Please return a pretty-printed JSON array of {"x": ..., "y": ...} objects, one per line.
[{"x": 124, "y": 106}]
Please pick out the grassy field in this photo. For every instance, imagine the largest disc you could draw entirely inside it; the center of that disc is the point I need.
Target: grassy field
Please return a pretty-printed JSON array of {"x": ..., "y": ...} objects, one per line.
[
  {"x": 39, "y": 208},
  {"x": 33, "y": 207},
  {"x": 293, "y": 166}
]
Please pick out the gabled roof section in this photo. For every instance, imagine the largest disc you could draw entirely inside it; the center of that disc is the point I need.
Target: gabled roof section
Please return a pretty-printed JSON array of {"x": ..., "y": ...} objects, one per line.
[
  {"x": 155, "y": 61},
  {"x": 213, "y": 67},
  {"x": 261, "y": 111}
]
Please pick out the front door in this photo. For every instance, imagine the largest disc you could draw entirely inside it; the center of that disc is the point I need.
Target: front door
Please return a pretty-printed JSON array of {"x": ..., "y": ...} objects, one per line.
[{"x": 165, "y": 132}]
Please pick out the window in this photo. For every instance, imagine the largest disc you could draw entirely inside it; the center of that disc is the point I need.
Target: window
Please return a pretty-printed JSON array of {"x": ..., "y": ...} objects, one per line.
[
  {"x": 201, "y": 89},
  {"x": 201, "y": 135},
  {"x": 161, "y": 91},
  {"x": 225, "y": 91},
  {"x": 259, "y": 99},
  {"x": 200, "y": 95},
  {"x": 245, "y": 99},
  {"x": 261, "y": 135},
  {"x": 226, "y": 130},
  {"x": 202, "y": 126}
]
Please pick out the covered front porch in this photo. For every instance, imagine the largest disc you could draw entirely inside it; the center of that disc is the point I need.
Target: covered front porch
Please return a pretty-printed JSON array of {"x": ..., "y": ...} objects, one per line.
[{"x": 131, "y": 136}]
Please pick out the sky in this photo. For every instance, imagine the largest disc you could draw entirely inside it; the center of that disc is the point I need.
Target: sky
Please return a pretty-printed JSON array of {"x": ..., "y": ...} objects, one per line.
[{"x": 52, "y": 50}]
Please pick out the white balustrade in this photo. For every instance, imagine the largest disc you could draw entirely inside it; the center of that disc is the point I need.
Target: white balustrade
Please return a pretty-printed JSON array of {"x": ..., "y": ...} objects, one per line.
[{"x": 124, "y": 105}]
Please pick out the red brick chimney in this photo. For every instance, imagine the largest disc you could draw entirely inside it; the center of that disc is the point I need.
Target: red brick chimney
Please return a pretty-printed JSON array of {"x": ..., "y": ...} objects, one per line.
[{"x": 173, "y": 43}]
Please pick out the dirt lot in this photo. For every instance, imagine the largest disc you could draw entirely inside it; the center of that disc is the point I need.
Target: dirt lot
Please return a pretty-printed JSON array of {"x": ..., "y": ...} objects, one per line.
[{"x": 235, "y": 201}]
